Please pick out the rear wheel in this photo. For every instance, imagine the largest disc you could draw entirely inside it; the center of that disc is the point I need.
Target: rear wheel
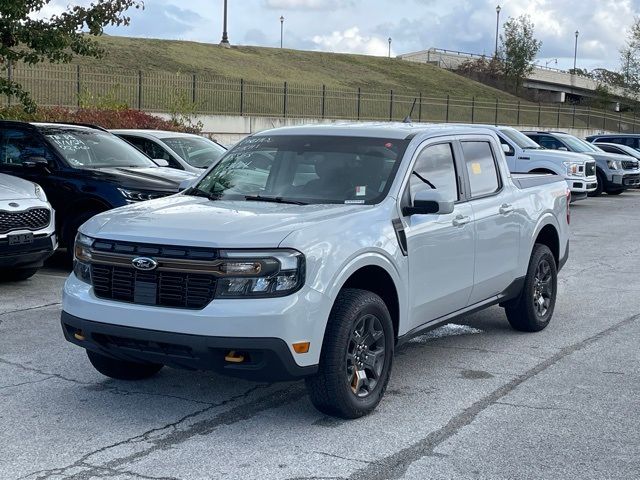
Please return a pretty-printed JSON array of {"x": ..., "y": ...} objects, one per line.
[
  {"x": 356, "y": 358},
  {"x": 533, "y": 309},
  {"x": 122, "y": 369}
]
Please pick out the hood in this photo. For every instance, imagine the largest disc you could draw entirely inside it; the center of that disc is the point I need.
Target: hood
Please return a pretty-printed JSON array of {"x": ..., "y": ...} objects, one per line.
[
  {"x": 604, "y": 156},
  {"x": 197, "y": 221},
  {"x": 12, "y": 188},
  {"x": 149, "y": 178},
  {"x": 556, "y": 155}
]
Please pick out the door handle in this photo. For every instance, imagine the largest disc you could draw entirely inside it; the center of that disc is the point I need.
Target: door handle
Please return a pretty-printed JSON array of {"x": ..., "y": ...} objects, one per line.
[
  {"x": 461, "y": 220},
  {"x": 506, "y": 208}
]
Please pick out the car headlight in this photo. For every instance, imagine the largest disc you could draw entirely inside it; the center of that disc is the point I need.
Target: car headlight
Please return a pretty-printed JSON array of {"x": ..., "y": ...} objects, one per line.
[
  {"x": 40, "y": 193},
  {"x": 613, "y": 164},
  {"x": 574, "y": 169},
  {"x": 81, "y": 257},
  {"x": 134, "y": 196},
  {"x": 260, "y": 274}
]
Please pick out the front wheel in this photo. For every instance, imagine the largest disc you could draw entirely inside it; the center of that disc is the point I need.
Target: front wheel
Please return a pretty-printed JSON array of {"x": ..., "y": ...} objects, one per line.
[
  {"x": 600, "y": 188},
  {"x": 356, "y": 358},
  {"x": 122, "y": 369},
  {"x": 18, "y": 274},
  {"x": 614, "y": 192},
  {"x": 533, "y": 309}
]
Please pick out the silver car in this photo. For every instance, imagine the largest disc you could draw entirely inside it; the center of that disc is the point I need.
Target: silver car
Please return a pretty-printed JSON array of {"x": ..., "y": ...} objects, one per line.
[{"x": 184, "y": 151}]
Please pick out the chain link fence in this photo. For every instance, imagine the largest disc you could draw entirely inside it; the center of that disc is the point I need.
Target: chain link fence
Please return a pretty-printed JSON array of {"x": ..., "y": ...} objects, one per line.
[{"x": 75, "y": 86}]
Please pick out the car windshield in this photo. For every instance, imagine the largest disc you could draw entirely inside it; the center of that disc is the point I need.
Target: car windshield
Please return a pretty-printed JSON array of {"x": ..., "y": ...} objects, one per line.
[
  {"x": 580, "y": 146},
  {"x": 520, "y": 139},
  {"x": 95, "y": 149},
  {"x": 305, "y": 169},
  {"x": 196, "y": 151}
]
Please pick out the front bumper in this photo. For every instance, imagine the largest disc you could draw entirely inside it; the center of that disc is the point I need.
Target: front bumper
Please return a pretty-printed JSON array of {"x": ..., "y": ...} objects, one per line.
[
  {"x": 266, "y": 359},
  {"x": 31, "y": 255},
  {"x": 580, "y": 186},
  {"x": 620, "y": 180},
  {"x": 300, "y": 317}
]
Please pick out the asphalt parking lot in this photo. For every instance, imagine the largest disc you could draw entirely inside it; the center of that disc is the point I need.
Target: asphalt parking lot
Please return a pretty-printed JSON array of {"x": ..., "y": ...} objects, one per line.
[{"x": 471, "y": 401}]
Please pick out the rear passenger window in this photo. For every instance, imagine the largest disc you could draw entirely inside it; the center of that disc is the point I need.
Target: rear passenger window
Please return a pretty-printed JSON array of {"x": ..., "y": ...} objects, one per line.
[
  {"x": 435, "y": 167},
  {"x": 481, "y": 166}
]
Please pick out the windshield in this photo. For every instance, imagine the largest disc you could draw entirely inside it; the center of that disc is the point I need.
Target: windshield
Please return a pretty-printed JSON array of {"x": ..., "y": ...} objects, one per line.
[
  {"x": 306, "y": 169},
  {"x": 580, "y": 146},
  {"x": 519, "y": 138},
  {"x": 197, "y": 152},
  {"x": 95, "y": 149}
]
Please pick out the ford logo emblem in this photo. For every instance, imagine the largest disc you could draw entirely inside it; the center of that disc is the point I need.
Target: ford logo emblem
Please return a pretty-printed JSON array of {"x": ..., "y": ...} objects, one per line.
[{"x": 144, "y": 263}]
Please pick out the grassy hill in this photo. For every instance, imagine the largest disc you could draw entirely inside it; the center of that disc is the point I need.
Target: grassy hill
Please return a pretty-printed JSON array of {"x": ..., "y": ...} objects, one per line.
[{"x": 294, "y": 66}]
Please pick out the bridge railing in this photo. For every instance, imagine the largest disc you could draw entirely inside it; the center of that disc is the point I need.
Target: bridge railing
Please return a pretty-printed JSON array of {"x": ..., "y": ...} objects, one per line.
[{"x": 72, "y": 86}]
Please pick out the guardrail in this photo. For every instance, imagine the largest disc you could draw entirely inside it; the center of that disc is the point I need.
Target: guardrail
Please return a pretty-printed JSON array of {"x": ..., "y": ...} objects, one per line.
[{"x": 74, "y": 86}]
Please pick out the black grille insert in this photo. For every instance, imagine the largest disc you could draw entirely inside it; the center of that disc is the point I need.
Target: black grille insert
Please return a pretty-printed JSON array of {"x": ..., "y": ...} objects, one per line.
[
  {"x": 629, "y": 164},
  {"x": 32, "y": 219},
  {"x": 590, "y": 169},
  {"x": 163, "y": 289}
]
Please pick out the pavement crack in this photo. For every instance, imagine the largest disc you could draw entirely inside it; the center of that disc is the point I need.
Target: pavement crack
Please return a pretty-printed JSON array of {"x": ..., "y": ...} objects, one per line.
[
  {"x": 520, "y": 405},
  {"x": 396, "y": 465},
  {"x": 27, "y": 383},
  {"x": 30, "y": 308},
  {"x": 342, "y": 458}
]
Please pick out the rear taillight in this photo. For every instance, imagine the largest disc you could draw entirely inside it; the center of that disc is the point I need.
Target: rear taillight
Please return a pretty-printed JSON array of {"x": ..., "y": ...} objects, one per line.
[{"x": 568, "y": 207}]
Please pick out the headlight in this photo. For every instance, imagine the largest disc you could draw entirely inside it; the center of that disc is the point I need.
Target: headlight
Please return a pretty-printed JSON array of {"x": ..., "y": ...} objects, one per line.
[
  {"x": 613, "y": 164},
  {"x": 574, "y": 169},
  {"x": 134, "y": 196},
  {"x": 81, "y": 255},
  {"x": 40, "y": 193},
  {"x": 260, "y": 274}
]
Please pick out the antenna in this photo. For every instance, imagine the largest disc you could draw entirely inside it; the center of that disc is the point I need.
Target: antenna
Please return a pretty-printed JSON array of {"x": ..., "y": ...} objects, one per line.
[{"x": 407, "y": 119}]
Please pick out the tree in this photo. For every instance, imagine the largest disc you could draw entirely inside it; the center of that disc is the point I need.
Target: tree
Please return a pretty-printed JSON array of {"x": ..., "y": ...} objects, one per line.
[
  {"x": 27, "y": 37},
  {"x": 630, "y": 57},
  {"x": 518, "y": 49}
]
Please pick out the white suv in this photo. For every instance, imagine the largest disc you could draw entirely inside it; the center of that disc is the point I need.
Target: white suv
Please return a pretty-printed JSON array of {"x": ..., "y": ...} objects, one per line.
[{"x": 314, "y": 252}]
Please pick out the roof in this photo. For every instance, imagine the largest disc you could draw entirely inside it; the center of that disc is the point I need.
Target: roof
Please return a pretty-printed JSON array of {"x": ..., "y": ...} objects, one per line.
[
  {"x": 160, "y": 134},
  {"x": 397, "y": 130},
  {"x": 601, "y": 135}
]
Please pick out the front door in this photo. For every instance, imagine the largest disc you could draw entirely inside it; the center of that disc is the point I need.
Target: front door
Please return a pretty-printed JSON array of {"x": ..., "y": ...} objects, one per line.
[{"x": 440, "y": 247}]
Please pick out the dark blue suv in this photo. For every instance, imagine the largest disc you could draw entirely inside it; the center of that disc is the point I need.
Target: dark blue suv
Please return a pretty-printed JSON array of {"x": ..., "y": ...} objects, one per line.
[{"x": 84, "y": 170}]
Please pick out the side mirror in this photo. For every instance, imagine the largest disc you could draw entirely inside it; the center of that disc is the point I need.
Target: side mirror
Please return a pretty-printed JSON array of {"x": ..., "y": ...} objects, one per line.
[
  {"x": 508, "y": 151},
  {"x": 427, "y": 202},
  {"x": 161, "y": 162},
  {"x": 40, "y": 163},
  {"x": 188, "y": 183},
  {"x": 563, "y": 149}
]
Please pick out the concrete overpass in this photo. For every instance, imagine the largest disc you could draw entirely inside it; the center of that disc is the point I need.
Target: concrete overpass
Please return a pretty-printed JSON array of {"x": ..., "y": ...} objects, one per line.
[{"x": 551, "y": 83}]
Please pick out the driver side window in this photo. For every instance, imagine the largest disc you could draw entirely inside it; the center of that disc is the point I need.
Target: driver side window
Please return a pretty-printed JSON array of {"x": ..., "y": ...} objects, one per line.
[
  {"x": 19, "y": 146},
  {"x": 435, "y": 167}
]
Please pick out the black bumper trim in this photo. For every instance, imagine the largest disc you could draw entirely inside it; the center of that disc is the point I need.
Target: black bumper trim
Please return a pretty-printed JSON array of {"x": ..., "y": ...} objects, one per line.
[
  {"x": 268, "y": 359},
  {"x": 25, "y": 256}
]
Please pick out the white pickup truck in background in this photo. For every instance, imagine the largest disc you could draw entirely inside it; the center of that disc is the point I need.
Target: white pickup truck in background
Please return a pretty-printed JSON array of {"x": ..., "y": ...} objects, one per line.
[{"x": 314, "y": 252}]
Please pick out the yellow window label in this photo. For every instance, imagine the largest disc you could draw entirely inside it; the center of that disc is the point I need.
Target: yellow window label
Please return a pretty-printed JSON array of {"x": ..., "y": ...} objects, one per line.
[{"x": 476, "y": 169}]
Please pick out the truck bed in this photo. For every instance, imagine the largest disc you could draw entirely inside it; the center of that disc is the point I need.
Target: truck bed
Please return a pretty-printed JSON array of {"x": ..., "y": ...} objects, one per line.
[{"x": 530, "y": 180}]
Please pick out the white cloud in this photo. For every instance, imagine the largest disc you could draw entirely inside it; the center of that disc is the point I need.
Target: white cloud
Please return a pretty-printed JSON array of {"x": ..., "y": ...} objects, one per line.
[
  {"x": 307, "y": 4},
  {"x": 352, "y": 41}
]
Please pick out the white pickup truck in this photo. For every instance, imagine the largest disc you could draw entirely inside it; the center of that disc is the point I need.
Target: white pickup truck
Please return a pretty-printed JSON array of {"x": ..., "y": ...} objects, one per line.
[{"x": 316, "y": 252}]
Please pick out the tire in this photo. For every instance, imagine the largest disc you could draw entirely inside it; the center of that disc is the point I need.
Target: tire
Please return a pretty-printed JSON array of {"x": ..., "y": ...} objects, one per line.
[
  {"x": 614, "y": 192},
  {"x": 600, "y": 188},
  {"x": 18, "y": 274},
  {"x": 72, "y": 229},
  {"x": 524, "y": 313},
  {"x": 122, "y": 369},
  {"x": 359, "y": 340}
]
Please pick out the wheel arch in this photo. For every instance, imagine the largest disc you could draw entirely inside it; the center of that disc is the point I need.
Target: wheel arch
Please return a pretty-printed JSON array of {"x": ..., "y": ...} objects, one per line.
[
  {"x": 547, "y": 234},
  {"x": 83, "y": 205}
]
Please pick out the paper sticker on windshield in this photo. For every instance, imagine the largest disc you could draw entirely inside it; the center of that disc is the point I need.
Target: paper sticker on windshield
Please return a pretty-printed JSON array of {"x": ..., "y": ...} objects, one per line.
[
  {"x": 354, "y": 202},
  {"x": 68, "y": 142},
  {"x": 361, "y": 191},
  {"x": 476, "y": 169}
]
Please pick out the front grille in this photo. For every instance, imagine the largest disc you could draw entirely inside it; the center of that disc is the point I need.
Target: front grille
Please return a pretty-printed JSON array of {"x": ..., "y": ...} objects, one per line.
[
  {"x": 590, "y": 169},
  {"x": 33, "y": 219},
  {"x": 629, "y": 164}
]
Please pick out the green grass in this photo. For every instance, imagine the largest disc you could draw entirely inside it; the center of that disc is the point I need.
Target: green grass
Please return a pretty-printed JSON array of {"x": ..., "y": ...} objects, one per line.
[{"x": 336, "y": 71}]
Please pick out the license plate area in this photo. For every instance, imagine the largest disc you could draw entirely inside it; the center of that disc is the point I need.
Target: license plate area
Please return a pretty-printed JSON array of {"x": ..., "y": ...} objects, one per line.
[{"x": 20, "y": 239}]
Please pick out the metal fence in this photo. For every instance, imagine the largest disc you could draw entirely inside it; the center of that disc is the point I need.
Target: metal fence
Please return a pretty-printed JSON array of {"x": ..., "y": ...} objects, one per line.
[{"x": 74, "y": 86}]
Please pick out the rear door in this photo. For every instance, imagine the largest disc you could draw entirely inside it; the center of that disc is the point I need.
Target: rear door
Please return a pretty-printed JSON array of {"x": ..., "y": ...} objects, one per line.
[
  {"x": 440, "y": 247},
  {"x": 496, "y": 225}
]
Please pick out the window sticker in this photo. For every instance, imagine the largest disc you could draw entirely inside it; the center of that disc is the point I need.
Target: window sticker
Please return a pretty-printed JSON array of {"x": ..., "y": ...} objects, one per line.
[
  {"x": 361, "y": 191},
  {"x": 354, "y": 202},
  {"x": 68, "y": 142},
  {"x": 476, "y": 169}
]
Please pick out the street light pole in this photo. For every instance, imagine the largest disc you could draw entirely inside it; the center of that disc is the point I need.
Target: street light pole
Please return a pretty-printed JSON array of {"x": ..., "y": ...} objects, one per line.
[
  {"x": 390, "y": 40},
  {"x": 498, "y": 10},
  {"x": 281, "y": 31},
  {"x": 225, "y": 36},
  {"x": 575, "y": 52}
]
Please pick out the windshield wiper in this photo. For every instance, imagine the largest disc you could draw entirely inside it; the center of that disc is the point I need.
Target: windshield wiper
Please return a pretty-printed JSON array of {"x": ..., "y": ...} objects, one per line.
[
  {"x": 260, "y": 198},
  {"x": 197, "y": 192}
]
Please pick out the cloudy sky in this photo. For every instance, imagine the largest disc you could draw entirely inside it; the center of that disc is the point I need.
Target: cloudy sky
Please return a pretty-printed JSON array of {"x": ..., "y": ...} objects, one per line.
[{"x": 363, "y": 26}]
